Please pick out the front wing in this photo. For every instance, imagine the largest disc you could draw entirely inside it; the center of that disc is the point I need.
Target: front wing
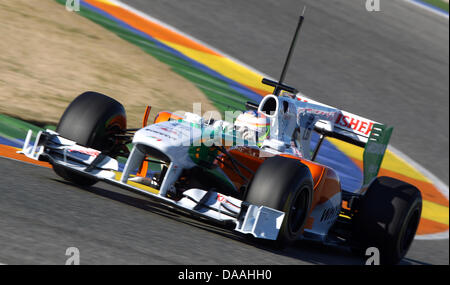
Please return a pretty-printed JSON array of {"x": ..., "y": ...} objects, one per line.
[{"x": 259, "y": 221}]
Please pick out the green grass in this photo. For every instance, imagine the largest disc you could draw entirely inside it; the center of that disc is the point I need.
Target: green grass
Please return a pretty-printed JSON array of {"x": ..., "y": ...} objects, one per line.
[
  {"x": 438, "y": 3},
  {"x": 13, "y": 128}
]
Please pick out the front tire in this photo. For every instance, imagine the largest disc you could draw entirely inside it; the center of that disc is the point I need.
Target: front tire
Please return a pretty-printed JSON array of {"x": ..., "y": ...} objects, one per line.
[
  {"x": 91, "y": 120},
  {"x": 284, "y": 184}
]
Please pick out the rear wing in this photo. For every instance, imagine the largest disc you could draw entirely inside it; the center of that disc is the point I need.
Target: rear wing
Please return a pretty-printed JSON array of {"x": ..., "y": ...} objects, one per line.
[
  {"x": 347, "y": 127},
  {"x": 372, "y": 136}
]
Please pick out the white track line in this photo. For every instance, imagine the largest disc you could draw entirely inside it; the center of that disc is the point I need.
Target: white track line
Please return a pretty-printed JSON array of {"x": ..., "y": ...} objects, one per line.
[
  {"x": 442, "y": 187},
  {"x": 429, "y": 8}
]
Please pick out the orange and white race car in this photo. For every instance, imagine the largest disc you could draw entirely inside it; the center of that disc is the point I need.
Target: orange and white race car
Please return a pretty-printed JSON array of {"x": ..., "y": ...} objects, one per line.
[{"x": 257, "y": 174}]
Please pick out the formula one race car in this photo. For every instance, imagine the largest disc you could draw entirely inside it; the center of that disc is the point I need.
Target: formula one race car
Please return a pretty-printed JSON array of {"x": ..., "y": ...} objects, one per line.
[{"x": 257, "y": 174}]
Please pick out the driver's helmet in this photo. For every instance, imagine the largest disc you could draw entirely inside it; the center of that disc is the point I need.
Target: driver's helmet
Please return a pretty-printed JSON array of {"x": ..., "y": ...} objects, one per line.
[{"x": 253, "y": 126}]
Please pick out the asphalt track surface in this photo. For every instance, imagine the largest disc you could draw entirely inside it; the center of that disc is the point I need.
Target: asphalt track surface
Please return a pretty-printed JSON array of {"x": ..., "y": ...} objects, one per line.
[
  {"x": 391, "y": 66},
  {"x": 42, "y": 216}
]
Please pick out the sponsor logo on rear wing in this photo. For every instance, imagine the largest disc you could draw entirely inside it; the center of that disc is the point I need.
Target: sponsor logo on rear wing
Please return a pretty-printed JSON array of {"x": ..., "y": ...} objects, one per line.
[
  {"x": 373, "y": 136},
  {"x": 346, "y": 126}
]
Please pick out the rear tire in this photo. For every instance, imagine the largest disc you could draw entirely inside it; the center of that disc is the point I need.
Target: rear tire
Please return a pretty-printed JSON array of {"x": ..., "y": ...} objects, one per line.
[
  {"x": 387, "y": 218},
  {"x": 286, "y": 185},
  {"x": 91, "y": 120}
]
